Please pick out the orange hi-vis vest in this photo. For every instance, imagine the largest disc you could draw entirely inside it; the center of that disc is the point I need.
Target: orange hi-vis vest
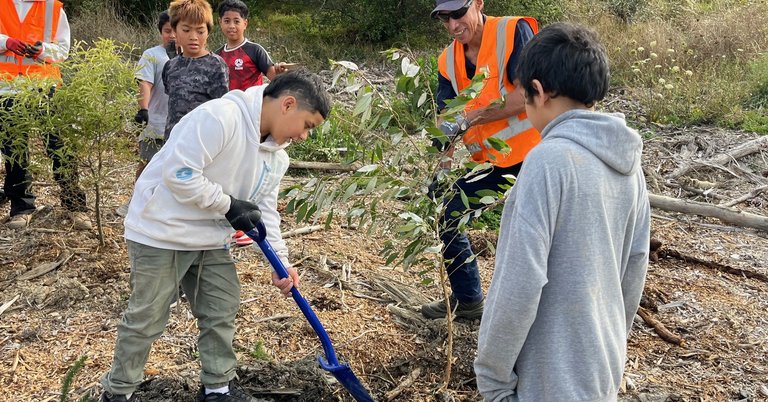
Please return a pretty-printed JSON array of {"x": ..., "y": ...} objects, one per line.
[
  {"x": 39, "y": 24},
  {"x": 496, "y": 46}
]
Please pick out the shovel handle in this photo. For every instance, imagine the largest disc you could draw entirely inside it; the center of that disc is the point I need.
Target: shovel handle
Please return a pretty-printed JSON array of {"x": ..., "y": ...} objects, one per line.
[{"x": 259, "y": 235}]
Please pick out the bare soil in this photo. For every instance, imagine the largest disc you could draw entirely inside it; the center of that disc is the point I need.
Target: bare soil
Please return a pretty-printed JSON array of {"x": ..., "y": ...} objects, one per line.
[{"x": 697, "y": 288}]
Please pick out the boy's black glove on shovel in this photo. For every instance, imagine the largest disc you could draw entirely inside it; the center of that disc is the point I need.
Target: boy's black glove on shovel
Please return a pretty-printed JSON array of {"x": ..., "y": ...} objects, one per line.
[{"x": 243, "y": 215}]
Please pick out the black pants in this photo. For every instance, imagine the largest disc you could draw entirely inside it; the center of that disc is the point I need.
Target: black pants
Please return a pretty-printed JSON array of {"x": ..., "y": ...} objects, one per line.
[{"x": 18, "y": 180}]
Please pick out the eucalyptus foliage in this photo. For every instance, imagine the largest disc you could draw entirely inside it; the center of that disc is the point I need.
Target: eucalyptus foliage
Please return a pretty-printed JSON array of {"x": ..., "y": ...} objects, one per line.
[
  {"x": 90, "y": 110},
  {"x": 389, "y": 191}
]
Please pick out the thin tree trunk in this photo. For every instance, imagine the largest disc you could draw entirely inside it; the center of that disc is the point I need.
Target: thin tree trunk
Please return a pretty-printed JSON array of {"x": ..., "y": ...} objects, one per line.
[{"x": 728, "y": 215}]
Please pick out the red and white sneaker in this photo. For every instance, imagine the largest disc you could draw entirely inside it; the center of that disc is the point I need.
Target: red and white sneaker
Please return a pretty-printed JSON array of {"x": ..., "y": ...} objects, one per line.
[{"x": 239, "y": 238}]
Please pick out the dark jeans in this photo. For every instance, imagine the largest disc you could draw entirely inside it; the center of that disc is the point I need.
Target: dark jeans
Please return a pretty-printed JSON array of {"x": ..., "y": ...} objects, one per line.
[
  {"x": 18, "y": 180},
  {"x": 464, "y": 275}
]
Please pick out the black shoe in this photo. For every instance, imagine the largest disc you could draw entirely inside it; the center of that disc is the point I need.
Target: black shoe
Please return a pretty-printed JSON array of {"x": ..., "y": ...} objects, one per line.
[
  {"x": 235, "y": 394},
  {"x": 110, "y": 397},
  {"x": 436, "y": 309}
]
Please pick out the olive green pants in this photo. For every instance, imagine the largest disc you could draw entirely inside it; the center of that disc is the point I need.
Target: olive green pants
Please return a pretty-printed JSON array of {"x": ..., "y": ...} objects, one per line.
[{"x": 210, "y": 282}]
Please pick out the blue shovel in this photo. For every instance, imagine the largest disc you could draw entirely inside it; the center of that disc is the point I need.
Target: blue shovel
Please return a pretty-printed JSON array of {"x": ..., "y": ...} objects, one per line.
[{"x": 342, "y": 372}]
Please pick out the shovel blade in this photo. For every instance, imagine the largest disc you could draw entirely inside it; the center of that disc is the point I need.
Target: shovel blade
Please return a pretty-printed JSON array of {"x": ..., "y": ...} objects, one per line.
[{"x": 348, "y": 379}]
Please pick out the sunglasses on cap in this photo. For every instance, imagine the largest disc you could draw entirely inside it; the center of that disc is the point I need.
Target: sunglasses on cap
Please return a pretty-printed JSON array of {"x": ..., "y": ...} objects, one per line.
[{"x": 456, "y": 14}]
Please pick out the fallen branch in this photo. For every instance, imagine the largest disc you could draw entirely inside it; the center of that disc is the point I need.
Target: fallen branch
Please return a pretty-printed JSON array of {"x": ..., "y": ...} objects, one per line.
[
  {"x": 43, "y": 269},
  {"x": 728, "y": 215},
  {"x": 409, "y": 380},
  {"x": 333, "y": 167},
  {"x": 659, "y": 328},
  {"x": 752, "y": 194},
  {"x": 301, "y": 231},
  {"x": 714, "y": 265},
  {"x": 747, "y": 148},
  {"x": 272, "y": 318},
  {"x": 8, "y": 304}
]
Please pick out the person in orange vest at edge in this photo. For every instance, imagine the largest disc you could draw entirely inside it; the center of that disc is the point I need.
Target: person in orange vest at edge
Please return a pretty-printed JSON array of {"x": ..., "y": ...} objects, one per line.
[
  {"x": 34, "y": 35},
  {"x": 480, "y": 44}
]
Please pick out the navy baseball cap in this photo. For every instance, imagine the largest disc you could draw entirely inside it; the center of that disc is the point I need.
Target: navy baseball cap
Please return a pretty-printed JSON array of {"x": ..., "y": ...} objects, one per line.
[{"x": 447, "y": 5}]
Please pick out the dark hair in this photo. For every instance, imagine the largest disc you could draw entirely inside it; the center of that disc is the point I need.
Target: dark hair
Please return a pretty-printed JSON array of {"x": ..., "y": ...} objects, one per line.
[
  {"x": 163, "y": 19},
  {"x": 233, "y": 5},
  {"x": 193, "y": 11},
  {"x": 568, "y": 60},
  {"x": 306, "y": 87}
]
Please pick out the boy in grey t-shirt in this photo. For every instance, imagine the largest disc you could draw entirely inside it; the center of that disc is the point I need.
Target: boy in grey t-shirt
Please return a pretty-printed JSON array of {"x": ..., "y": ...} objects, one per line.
[
  {"x": 153, "y": 101},
  {"x": 196, "y": 75}
]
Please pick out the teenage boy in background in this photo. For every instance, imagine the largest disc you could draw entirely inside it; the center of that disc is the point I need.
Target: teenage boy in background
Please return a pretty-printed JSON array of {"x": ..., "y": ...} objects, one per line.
[
  {"x": 248, "y": 62},
  {"x": 220, "y": 169},
  {"x": 573, "y": 248},
  {"x": 153, "y": 101},
  {"x": 196, "y": 75}
]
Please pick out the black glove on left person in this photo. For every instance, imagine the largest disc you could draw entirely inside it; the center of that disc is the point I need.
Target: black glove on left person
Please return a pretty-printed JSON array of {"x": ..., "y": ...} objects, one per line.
[
  {"x": 142, "y": 116},
  {"x": 243, "y": 215}
]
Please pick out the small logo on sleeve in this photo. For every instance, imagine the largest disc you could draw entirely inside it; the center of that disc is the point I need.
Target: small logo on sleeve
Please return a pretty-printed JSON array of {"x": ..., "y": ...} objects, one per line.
[{"x": 184, "y": 173}]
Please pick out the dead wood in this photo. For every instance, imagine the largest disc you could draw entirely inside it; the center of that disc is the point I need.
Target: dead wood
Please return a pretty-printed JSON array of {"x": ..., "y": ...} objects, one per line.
[
  {"x": 409, "y": 380},
  {"x": 301, "y": 231},
  {"x": 667, "y": 253},
  {"x": 406, "y": 317},
  {"x": 332, "y": 167},
  {"x": 727, "y": 215},
  {"x": 8, "y": 304},
  {"x": 659, "y": 328},
  {"x": 399, "y": 291},
  {"x": 752, "y": 194},
  {"x": 43, "y": 269},
  {"x": 747, "y": 148}
]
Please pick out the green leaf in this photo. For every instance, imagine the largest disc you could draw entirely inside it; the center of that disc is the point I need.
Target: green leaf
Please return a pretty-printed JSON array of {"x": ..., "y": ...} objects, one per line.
[
  {"x": 422, "y": 99},
  {"x": 363, "y": 104},
  {"x": 487, "y": 200},
  {"x": 349, "y": 191},
  {"x": 329, "y": 219},
  {"x": 464, "y": 199},
  {"x": 367, "y": 168},
  {"x": 499, "y": 145}
]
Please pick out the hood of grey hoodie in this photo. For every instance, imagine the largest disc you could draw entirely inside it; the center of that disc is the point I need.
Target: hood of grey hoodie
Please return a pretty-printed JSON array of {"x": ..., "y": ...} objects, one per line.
[
  {"x": 606, "y": 135},
  {"x": 250, "y": 103}
]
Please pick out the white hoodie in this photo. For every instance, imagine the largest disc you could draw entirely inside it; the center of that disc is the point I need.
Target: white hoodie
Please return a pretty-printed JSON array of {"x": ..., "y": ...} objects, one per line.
[{"x": 215, "y": 151}]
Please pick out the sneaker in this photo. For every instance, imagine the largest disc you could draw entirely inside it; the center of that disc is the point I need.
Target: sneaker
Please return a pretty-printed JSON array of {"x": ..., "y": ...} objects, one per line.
[
  {"x": 81, "y": 221},
  {"x": 110, "y": 397},
  {"x": 436, "y": 309},
  {"x": 122, "y": 210},
  {"x": 235, "y": 394},
  {"x": 241, "y": 239},
  {"x": 18, "y": 222}
]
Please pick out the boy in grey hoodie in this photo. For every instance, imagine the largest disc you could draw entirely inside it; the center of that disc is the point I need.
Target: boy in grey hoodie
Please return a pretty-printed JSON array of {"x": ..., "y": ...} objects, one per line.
[
  {"x": 573, "y": 250},
  {"x": 220, "y": 170}
]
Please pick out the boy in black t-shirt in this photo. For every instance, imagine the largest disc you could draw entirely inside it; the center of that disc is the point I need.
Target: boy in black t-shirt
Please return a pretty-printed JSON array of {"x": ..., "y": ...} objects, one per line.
[
  {"x": 248, "y": 62},
  {"x": 196, "y": 75}
]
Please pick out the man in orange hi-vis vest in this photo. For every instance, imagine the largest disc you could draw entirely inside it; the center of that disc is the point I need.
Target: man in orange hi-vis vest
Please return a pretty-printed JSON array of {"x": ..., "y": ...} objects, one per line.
[
  {"x": 34, "y": 35},
  {"x": 481, "y": 45}
]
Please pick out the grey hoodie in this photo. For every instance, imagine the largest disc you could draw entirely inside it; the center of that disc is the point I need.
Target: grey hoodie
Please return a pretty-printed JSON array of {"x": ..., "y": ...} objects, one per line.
[{"x": 570, "y": 266}]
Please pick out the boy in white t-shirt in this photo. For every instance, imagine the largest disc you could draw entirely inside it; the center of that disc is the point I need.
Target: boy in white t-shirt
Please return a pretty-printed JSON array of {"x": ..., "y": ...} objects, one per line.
[{"x": 153, "y": 101}]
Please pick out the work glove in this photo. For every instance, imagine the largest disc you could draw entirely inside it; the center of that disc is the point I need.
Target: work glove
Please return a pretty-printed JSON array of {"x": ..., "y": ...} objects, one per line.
[
  {"x": 16, "y": 46},
  {"x": 142, "y": 116},
  {"x": 243, "y": 215},
  {"x": 170, "y": 49},
  {"x": 452, "y": 129},
  {"x": 34, "y": 51},
  {"x": 436, "y": 188}
]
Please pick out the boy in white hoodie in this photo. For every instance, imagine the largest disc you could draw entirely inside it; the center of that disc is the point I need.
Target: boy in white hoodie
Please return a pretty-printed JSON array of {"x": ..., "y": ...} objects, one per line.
[
  {"x": 220, "y": 170},
  {"x": 573, "y": 246}
]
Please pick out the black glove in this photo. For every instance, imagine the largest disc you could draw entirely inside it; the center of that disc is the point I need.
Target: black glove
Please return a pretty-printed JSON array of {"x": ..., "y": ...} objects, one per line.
[
  {"x": 34, "y": 51},
  {"x": 243, "y": 215},
  {"x": 436, "y": 189},
  {"x": 170, "y": 49},
  {"x": 142, "y": 116}
]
